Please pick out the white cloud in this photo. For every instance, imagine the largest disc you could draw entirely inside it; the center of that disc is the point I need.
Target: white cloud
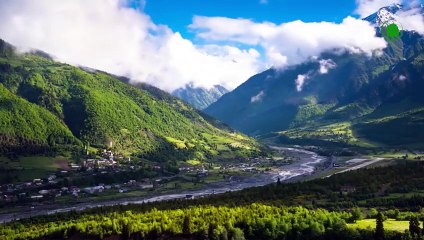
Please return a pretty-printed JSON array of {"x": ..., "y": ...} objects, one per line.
[
  {"x": 325, "y": 65},
  {"x": 300, "y": 81},
  {"x": 108, "y": 35},
  {"x": 258, "y": 97},
  {"x": 368, "y": 7},
  {"x": 411, "y": 20},
  {"x": 294, "y": 42}
]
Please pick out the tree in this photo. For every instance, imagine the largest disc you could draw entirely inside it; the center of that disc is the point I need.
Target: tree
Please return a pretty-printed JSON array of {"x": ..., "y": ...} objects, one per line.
[
  {"x": 379, "y": 228},
  {"x": 423, "y": 228},
  {"x": 414, "y": 226},
  {"x": 237, "y": 234},
  {"x": 126, "y": 234},
  {"x": 356, "y": 214},
  {"x": 278, "y": 181},
  {"x": 186, "y": 225},
  {"x": 211, "y": 232},
  {"x": 224, "y": 234},
  {"x": 373, "y": 213}
]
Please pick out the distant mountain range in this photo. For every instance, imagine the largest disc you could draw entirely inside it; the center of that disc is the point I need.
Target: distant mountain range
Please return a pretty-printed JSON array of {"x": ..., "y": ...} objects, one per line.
[
  {"x": 47, "y": 106},
  {"x": 200, "y": 97},
  {"x": 349, "y": 99}
]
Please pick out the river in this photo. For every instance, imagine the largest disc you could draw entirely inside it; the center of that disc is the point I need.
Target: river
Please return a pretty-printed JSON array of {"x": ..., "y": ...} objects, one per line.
[{"x": 304, "y": 165}]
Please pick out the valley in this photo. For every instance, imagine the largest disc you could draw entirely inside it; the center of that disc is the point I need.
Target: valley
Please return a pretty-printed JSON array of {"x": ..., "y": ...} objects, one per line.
[
  {"x": 296, "y": 165},
  {"x": 190, "y": 181},
  {"x": 266, "y": 123},
  {"x": 351, "y": 197}
]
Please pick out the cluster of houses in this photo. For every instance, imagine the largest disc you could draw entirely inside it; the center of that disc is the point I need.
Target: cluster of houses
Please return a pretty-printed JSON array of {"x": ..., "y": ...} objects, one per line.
[
  {"x": 199, "y": 170},
  {"x": 245, "y": 167},
  {"x": 50, "y": 187},
  {"x": 132, "y": 184},
  {"x": 8, "y": 191},
  {"x": 38, "y": 189},
  {"x": 30, "y": 191},
  {"x": 91, "y": 164},
  {"x": 108, "y": 160}
]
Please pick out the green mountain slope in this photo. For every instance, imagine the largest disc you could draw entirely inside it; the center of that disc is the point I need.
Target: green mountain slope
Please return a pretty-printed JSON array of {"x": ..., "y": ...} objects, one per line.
[
  {"x": 358, "y": 94},
  {"x": 43, "y": 128},
  {"x": 199, "y": 97},
  {"x": 99, "y": 109}
]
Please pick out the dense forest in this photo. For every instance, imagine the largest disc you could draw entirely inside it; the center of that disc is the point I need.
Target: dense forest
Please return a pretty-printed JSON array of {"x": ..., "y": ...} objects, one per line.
[{"x": 255, "y": 221}]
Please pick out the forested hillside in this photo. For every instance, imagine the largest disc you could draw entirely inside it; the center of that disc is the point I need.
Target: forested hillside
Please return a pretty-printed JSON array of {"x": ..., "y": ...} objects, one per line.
[
  {"x": 32, "y": 124},
  {"x": 49, "y": 104},
  {"x": 341, "y": 98}
]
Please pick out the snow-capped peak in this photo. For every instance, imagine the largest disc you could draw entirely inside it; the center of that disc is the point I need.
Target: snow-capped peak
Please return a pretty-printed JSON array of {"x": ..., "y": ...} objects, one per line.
[{"x": 383, "y": 15}]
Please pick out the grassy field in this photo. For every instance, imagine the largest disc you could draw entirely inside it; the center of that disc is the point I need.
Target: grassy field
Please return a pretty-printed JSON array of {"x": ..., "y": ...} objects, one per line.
[
  {"x": 389, "y": 224},
  {"x": 333, "y": 132},
  {"x": 193, "y": 162},
  {"x": 178, "y": 143},
  {"x": 28, "y": 168},
  {"x": 398, "y": 155}
]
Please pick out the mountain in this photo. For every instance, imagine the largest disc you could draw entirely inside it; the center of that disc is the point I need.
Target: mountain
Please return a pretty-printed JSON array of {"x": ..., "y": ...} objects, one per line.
[
  {"x": 50, "y": 106},
  {"x": 348, "y": 99},
  {"x": 389, "y": 13},
  {"x": 385, "y": 14},
  {"x": 200, "y": 97}
]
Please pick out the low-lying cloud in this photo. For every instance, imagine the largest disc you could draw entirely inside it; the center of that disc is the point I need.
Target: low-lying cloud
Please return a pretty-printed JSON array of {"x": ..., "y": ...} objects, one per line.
[
  {"x": 325, "y": 65},
  {"x": 258, "y": 97}
]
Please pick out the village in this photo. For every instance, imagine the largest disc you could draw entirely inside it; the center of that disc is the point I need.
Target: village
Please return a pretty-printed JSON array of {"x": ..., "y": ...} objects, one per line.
[{"x": 65, "y": 185}]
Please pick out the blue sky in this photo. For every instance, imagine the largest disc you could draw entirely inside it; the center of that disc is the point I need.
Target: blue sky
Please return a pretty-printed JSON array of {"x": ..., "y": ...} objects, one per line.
[{"x": 178, "y": 14}]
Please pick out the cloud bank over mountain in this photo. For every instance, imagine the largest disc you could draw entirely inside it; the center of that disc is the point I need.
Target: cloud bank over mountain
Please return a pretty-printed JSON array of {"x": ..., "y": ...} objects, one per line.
[
  {"x": 110, "y": 36},
  {"x": 114, "y": 37},
  {"x": 368, "y": 7},
  {"x": 294, "y": 42}
]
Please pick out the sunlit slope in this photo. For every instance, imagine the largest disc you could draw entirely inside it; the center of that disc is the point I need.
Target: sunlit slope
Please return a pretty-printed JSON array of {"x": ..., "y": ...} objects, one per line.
[{"x": 96, "y": 108}]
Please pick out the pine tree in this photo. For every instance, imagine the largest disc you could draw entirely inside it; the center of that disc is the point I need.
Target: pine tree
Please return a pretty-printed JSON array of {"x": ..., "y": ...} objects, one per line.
[
  {"x": 126, "y": 234},
  {"x": 414, "y": 226},
  {"x": 422, "y": 233},
  {"x": 211, "y": 232},
  {"x": 186, "y": 225},
  {"x": 356, "y": 214},
  {"x": 224, "y": 235},
  {"x": 379, "y": 228}
]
